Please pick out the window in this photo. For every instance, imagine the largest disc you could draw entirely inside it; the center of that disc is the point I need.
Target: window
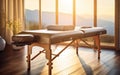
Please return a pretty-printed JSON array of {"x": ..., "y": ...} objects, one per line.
[
  {"x": 48, "y": 12},
  {"x": 84, "y": 13},
  {"x": 31, "y": 14},
  {"x": 84, "y": 16},
  {"x": 65, "y": 12},
  {"x": 105, "y": 18}
]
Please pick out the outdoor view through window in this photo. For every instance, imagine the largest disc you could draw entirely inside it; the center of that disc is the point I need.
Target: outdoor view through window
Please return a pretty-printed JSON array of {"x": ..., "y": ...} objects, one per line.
[{"x": 84, "y": 15}]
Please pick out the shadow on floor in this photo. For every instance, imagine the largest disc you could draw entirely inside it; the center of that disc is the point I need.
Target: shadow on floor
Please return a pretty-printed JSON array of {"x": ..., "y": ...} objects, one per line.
[{"x": 86, "y": 67}]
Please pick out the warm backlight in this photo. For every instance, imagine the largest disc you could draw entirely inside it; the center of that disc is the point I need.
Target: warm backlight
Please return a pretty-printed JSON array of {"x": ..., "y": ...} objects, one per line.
[{"x": 65, "y": 6}]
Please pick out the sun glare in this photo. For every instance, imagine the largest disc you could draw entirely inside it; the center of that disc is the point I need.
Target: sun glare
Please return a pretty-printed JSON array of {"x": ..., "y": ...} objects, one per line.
[
  {"x": 66, "y": 6},
  {"x": 32, "y": 4}
]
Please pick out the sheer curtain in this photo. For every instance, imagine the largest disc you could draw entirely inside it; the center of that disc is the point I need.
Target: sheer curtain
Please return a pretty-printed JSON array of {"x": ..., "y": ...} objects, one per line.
[
  {"x": 2, "y": 18},
  {"x": 12, "y": 18}
]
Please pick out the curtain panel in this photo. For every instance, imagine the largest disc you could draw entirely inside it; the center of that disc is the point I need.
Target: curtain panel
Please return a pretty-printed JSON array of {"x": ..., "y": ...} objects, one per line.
[
  {"x": 12, "y": 18},
  {"x": 2, "y": 18}
]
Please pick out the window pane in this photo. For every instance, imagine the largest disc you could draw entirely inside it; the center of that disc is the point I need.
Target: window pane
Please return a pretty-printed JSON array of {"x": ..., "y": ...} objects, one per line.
[
  {"x": 65, "y": 12},
  {"x": 106, "y": 15},
  {"x": 84, "y": 16},
  {"x": 31, "y": 14},
  {"x": 48, "y": 12},
  {"x": 84, "y": 12}
]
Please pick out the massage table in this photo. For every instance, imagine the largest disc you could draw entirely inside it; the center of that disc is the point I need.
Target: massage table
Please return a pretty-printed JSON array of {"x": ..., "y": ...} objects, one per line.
[{"x": 47, "y": 37}]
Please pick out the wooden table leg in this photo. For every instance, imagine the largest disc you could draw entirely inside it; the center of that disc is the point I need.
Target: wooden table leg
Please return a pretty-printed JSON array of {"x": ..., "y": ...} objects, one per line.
[
  {"x": 49, "y": 57},
  {"x": 29, "y": 52},
  {"x": 50, "y": 63},
  {"x": 76, "y": 45},
  {"x": 97, "y": 42}
]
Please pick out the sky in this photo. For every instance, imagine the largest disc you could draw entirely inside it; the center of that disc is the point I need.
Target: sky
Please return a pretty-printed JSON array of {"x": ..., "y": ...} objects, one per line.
[{"x": 105, "y": 7}]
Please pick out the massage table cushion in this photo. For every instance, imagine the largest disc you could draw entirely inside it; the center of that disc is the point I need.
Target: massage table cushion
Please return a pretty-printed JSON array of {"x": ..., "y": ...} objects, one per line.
[{"x": 72, "y": 35}]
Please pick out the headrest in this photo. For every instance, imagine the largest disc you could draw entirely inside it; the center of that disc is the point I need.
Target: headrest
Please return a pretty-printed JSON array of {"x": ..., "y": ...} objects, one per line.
[{"x": 60, "y": 27}]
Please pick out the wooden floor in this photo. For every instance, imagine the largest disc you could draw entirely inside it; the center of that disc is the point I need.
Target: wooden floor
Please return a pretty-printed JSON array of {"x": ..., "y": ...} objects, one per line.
[{"x": 13, "y": 62}]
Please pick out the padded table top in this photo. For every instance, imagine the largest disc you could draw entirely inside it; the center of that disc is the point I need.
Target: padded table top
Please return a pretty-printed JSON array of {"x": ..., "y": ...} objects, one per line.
[{"x": 59, "y": 36}]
